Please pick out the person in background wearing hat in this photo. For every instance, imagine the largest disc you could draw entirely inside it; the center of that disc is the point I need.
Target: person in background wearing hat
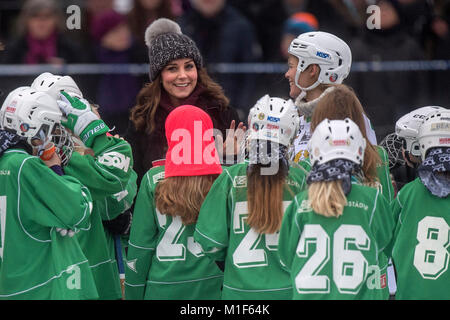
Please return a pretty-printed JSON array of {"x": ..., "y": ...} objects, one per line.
[
  {"x": 297, "y": 24},
  {"x": 114, "y": 43},
  {"x": 40, "y": 37},
  {"x": 177, "y": 77},
  {"x": 163, "y": 260}
]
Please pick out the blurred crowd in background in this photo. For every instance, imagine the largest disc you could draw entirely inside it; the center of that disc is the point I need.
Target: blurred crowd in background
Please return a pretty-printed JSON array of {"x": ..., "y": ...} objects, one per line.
[{"x": 234, "y": 31}]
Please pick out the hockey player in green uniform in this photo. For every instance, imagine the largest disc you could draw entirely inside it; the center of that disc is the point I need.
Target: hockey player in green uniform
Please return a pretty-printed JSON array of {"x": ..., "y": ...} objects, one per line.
[
  {"x": 163, "y": 260},
  {"x": 333, "y": 233},
  {"x": 106, "y": 170},
  {"x": 422, "y": 236},
  {"x": 40, "y": 259},
  {"x": 241, "y": 215}
]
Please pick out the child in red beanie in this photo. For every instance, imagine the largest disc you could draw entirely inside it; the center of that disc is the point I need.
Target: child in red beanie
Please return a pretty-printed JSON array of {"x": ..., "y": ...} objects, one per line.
[{"x": 164, "y": 261}]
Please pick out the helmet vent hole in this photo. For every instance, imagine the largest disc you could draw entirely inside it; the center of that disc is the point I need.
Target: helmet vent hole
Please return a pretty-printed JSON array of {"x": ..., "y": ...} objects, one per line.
[
  {"x": 50, "y": 84},
  {"x": 281, "y": 110},
  {"x": 271, "y": 108}
]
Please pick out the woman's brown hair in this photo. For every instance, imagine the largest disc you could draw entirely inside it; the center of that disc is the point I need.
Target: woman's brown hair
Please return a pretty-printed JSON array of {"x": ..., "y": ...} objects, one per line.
[
  {"x": 343, "y": 103},
  {"x": 183, "y": 196},
  {"x": 265, "y": 198},
  {"x": 148, "y": 99}
]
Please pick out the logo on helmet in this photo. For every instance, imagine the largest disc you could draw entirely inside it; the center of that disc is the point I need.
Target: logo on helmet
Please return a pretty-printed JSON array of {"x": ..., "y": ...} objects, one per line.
[
  {"x": 255, "y": 127},
  {"x": 322, "y": 55},
  {"x": 273, "y": 119},
  {"x": 333, "y": 77},
  {"x": 24, "y": 127},
  {"x": 444, "y": 141},
  {"x": 339, "y": 142},
  {"x": 261, "y": 116}
]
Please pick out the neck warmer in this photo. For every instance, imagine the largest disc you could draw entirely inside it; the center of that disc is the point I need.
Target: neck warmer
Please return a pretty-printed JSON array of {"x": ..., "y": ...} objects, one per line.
[
  {"x": 338, "y": 169},
  {"x": 265, "y": 152},
  {"x": 438, "y": 160},
  {"x": 191, "y": 146},
  {"x": 306, "y": 108},
  {"x": 8, "y": 140}
]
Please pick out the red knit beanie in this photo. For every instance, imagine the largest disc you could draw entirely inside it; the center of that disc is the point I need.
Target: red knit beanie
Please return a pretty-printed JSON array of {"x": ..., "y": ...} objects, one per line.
[{"x": 191, "y": 148}]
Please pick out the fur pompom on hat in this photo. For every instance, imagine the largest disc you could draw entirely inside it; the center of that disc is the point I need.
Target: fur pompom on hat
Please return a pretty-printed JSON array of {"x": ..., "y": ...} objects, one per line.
[{"x": 166, "y": 43}]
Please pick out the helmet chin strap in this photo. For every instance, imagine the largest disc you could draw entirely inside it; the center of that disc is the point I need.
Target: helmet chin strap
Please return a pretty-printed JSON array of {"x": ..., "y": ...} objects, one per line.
[{"x": 304, "y": 90}]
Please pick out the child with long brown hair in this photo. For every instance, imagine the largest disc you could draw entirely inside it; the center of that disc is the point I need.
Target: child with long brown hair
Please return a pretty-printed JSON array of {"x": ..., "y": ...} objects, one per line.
[
  {"x": 332, "y": 233},
  {"x": 248, "y": 201},
  {"x": 163, "y": 260},
  {"x": 341, "y": 103}
]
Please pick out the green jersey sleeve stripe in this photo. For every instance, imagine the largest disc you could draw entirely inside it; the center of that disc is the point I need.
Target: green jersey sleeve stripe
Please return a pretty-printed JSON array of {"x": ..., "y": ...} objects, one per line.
[
  {"x": 185, "y": 281},
  {"x": 117, "y": 178},
  {"x": 134, "y": 285},
  {"x": 139, "y": 247},
  {"x": 44, "y": 283},
  {"x": 85, "y": 209},
  {"x": 18, "y": 204},
  {"x": 210, "y": 239},
  {"x": 374, "y": 206}
]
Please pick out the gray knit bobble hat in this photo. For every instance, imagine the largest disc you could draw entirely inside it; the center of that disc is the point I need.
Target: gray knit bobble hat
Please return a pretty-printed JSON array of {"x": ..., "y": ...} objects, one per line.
[{"x": 166, "y": 43}]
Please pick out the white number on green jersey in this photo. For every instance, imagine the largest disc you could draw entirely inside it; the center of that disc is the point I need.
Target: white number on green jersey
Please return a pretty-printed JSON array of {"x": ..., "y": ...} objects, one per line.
[
  {"x": 246, "y": 254},
  {"x": 349, "y": 265},
  {"x": 2, "y": 223},
  {"x": 431, "y": 255},
  {"x": 168, "y": 249}
]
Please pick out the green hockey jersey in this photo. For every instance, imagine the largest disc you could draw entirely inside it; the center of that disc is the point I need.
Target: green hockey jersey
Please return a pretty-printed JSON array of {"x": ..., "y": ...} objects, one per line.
[
  {"x": 163, "y": 261},
  {"x": 106, "y": 274},
  {"x": 252, "y": 268},
  {"x": 109, "y": 176},
  {"x": 421, "y": 251},
  {"x": 337, "y": 258},
  {"x": 37, "y": 262}
]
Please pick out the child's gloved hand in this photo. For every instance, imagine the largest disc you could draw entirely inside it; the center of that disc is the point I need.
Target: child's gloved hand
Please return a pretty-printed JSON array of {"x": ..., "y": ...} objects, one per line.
[
  {"x": 78, "y": 112},
  {"x": 81, "y": 120}
]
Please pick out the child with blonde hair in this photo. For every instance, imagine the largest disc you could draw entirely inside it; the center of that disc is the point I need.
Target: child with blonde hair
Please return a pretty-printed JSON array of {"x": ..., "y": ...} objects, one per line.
[{"x": 333, "y": 232}]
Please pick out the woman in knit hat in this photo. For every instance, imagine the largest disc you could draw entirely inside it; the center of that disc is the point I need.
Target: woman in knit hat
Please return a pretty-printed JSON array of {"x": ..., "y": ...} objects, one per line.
[
  {"x": 177, "y": 77},
  {"x": 164, "y": 262}
]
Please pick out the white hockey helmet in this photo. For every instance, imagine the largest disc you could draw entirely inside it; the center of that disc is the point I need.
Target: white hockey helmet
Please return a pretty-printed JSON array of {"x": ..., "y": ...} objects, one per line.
[
  {"x": 273, "y": 119},
  {"x": 35, "y": 115},
  {"x": 8, "y": 101},
  {"x": 329, "y": 52},
  {"x": 407, "y": 128},
  {"x": 337, "y": 139},
  {"x": 53, "y": 84},
  {"x": 435, "y": 131}
]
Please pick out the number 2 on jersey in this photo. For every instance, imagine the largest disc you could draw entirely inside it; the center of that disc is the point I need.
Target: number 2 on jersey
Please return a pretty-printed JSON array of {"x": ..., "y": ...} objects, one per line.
[
  {"x": 349, "y": 266},
  {"x": 168, "y": 248},
  {"x": 246, "y": 254}
]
